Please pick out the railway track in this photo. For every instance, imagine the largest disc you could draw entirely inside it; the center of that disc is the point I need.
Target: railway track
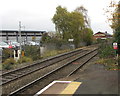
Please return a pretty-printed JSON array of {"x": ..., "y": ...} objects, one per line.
[
  {"x": 18, "y": 73},
  {"x": 57, "y": 73},
  {"x": 12, "y": 78}
]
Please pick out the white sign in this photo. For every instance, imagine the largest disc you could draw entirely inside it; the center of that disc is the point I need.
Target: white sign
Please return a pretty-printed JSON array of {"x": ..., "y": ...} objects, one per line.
[
  {"x": 115, "y": 44},
  {"x": 70, "y": 39},
  {"x": 17, "y": 55}
]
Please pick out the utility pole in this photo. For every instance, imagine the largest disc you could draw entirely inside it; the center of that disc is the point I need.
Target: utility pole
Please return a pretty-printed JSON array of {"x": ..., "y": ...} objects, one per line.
[
  {"x": 24, "y": 32},
  {"x": 20, "y": 37}
]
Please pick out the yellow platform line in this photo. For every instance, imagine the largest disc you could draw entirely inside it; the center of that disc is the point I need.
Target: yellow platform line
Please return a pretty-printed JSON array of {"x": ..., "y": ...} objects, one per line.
[{"x": 71, "y": 88}]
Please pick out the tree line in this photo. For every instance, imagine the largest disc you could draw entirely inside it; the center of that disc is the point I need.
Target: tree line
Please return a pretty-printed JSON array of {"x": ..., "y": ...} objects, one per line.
[
  {"x": 73, "y": 25},
  {"x": 116, "y": 23}
]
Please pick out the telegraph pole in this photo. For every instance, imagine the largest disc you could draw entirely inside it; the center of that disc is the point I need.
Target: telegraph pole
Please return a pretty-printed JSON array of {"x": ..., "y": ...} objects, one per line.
[{"x": 20, "y": 37}]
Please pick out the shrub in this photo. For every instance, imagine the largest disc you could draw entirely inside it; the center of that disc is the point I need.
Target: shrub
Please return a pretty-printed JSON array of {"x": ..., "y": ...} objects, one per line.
[
  {"x": 109, "y": 62},
  {"x": 32, "y": 52},
  {"x": 100, "y": 40},
  {"x": 6, "y": 53},
  {"x": 49, "y": 53},
  {"x": 1, "y": 66},
  {"x": 119, "y": 62},
  {"x": 24, "y": 60},
  {"x": 8, "y": 64},
  {"x": 54, "y": 52},
  {"x": 107, "y": 56},
  {"x": 106, "y": 51}
]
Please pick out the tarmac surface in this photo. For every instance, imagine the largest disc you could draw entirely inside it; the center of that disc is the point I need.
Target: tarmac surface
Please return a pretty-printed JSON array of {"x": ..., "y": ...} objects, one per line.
[{"x": 97, "y": 80}]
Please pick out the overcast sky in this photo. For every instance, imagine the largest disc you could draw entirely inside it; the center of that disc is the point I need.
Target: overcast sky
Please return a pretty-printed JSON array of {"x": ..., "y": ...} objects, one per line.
[{"x": 37, "y": 14}]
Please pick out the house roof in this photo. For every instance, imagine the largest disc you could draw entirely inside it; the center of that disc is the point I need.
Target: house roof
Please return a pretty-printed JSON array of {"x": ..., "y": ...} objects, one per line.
[{"x": 103, "y": 33}]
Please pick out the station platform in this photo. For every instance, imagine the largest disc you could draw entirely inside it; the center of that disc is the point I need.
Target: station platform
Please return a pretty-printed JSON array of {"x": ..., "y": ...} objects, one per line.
[
  {"x": 94, "y": 80},
  {"x": 60, "y": 87}
]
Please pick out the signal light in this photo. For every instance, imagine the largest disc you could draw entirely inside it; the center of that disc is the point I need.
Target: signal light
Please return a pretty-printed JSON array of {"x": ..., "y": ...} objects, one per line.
[{"x": 10, "y": 46}]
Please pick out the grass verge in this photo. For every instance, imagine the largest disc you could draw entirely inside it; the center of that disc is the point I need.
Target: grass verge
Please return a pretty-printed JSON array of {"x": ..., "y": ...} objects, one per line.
[{"x": 54, "y": 52}]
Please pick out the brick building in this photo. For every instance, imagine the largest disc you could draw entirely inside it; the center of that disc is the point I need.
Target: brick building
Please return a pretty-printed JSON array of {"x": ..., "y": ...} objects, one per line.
[{"x": 102, "y": 35}]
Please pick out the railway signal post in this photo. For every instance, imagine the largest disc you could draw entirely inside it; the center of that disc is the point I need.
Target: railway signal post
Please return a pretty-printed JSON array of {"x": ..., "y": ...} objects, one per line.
[{"x": 115, "y": 46}]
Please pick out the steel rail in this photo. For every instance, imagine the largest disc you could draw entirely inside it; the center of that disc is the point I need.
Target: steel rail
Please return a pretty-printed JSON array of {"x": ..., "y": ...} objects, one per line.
[
  {"x": 51, "y": 72},
  {"x": 30, "y": 72},
  {"x": 75, "y": 70},
  {"x": 47, "y": 59},
  {"x": 44, "y": 60}
]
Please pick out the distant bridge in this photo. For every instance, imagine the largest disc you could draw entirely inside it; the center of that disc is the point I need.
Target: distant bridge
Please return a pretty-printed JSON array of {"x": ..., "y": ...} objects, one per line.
[{"x": 25, "y": 35}]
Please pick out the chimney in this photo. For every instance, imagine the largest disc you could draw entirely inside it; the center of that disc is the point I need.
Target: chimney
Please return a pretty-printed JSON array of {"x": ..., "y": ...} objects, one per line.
[{"x": 105, "y": 32}]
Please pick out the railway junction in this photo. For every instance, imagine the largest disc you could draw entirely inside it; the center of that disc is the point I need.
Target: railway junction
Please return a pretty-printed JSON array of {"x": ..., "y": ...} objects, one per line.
[{"x": 74, "y": 72}]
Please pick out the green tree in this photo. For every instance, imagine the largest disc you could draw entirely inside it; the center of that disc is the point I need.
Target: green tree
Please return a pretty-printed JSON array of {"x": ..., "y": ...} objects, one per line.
[
  {"x": 60, "y": 20},
  {"x": 68, "y": 24},
  {"x": 116, "y": 25},
  {"x": 88, "y": 36},
  {"x": 114, "y": 19},
  {"x": 32, "y": 52},
  {"x": 45, "y": 38},
  {"x": 76, "y": 25}
]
